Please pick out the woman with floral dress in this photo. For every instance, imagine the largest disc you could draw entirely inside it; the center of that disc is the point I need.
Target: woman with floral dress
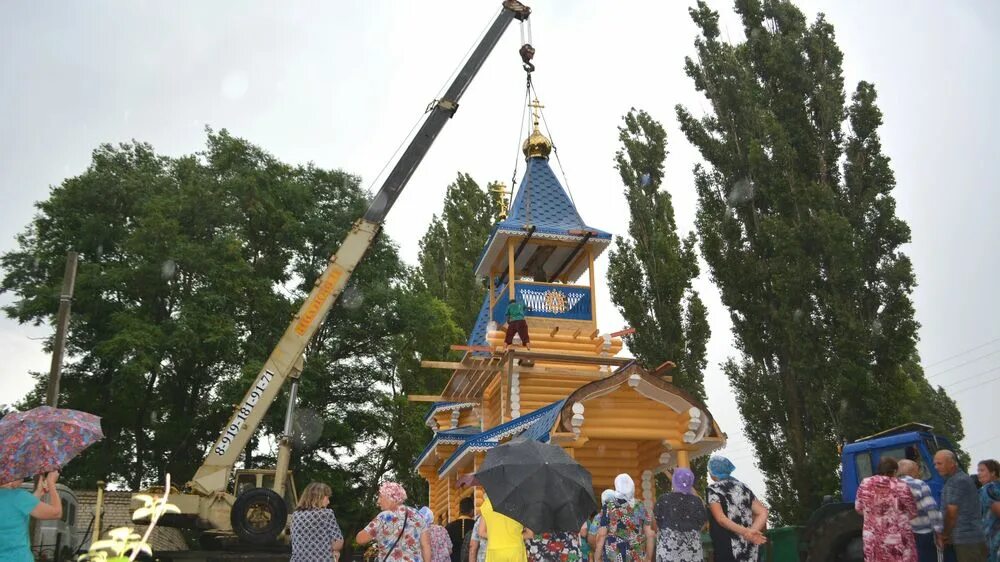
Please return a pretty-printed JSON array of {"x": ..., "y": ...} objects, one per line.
[
  {"x": 736, "y": 517},
  {"x": 477, "y": 544},
  {"x": 594, "y": 524},
  {"x": 680, "y": 515},
  {"x": 438, "y": 536},
  {"x": 398, "y": 531},
  {"x": 887, "y": 506},
  {"x": 989, "y": 498},
  {"x": 554, "y": 547},
  {"x": 625, "y": 534}
]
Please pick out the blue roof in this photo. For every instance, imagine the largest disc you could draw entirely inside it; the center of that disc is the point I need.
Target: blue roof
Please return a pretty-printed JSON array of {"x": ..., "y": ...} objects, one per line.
[
  {"x": 537, "y": 425},
  {"x": 542, "y": 202},
  {"x": 457, "y": 435},
  {"x": 478, "y": 334}
]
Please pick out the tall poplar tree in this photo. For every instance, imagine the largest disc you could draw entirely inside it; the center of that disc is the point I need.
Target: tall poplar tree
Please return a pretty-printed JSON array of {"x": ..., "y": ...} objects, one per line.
[
  {"x": 798, "y": 226},
  {"x": 651, "y": 271},
  {"x": 451, "y": 247}
]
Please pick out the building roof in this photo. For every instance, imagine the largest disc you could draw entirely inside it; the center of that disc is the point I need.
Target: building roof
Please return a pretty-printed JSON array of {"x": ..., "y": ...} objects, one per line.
[
  {"x": 477, "y": 337},
  {"x": 543, "y": 208},
  {"x": 447, "y": 436},
  {"x": 444, "y": 407},
  {"x": 535, "y": 425}
]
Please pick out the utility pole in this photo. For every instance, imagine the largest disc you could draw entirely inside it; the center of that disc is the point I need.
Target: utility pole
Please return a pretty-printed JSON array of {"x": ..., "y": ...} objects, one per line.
[
  {"x": 62, "y": 323},
  {"x": 55, "y": 371}
]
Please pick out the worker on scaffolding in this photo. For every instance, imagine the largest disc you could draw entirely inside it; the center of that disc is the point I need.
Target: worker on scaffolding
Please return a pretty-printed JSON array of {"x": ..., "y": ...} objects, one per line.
[{"x": 516, "y": 324}]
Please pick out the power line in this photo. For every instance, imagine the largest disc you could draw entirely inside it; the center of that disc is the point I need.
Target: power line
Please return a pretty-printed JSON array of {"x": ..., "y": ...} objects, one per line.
[
  {"x": 975, "y": 386},
  {"x": 969, "y": 378},
  {"x": 983, "y": 441},
  {"x": 994, "y": 352},
  {"x": 946, "y": 359}
]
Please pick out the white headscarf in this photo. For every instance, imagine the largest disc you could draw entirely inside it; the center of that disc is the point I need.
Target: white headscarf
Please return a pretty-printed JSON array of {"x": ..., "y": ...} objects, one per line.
[
  {"x": 624, "y": 487},
  {"x": 606, "y": 496}
]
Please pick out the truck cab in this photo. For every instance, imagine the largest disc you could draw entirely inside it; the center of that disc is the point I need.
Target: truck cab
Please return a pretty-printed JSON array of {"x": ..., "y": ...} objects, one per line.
[{"x": 914, "y": 441}]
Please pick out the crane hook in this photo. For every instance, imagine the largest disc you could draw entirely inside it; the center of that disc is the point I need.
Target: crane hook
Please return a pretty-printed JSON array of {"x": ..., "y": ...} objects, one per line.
[{"x": 527, "y": 52}]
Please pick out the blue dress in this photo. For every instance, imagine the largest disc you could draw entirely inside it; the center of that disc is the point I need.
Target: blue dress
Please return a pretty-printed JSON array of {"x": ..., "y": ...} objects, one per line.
[
  {"x": 15, "y": 511},
  {"x": 988, "y": 495}
]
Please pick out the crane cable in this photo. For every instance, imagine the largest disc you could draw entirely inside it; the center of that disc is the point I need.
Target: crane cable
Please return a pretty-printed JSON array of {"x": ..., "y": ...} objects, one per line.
[
  {"x": 437, "y": 98},
  {"x": 555, "y": 148}
]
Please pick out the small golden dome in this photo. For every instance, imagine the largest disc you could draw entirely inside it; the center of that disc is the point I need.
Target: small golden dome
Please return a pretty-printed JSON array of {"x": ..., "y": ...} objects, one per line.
[{"x": 536, "y": 145}]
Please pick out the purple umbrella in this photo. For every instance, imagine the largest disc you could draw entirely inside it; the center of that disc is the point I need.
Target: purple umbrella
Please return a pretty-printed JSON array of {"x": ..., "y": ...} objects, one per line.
[{"x": 43, "y": 439}]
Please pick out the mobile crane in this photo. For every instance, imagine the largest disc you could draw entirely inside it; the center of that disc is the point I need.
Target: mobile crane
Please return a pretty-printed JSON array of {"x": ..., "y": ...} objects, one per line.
[{"x": 255, "y": 507}]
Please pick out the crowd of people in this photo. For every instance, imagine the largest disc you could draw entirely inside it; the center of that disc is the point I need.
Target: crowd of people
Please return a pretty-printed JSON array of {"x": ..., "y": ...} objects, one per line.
[
  {"x": 622, "y": 530},
  {"x": 904, "y": 523}
]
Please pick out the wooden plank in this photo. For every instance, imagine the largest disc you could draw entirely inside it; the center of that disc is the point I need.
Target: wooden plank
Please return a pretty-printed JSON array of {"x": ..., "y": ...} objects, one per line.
[
  {"x": 425, "y": 398},
  {"x": 490, "y": 369},
  {"x": 593, "y": 286},
  {"x": 511, "y": 273},
  {"x": 621, "y": 333},
  {"x": 483, "y": 348},
  {"x": 449, "y": 365},
  {"x": 581, "y": 359},
  {"x": 664, "y": 367}
]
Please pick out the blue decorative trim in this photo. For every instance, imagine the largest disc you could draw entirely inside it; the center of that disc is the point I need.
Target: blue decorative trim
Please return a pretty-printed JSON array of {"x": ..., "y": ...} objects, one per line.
[
  {"x": 537, "y": 425},
  {"x": 445, "y": 406},
  {"x": 449, "y": 437},
  {"x": 547, "y": 300}
]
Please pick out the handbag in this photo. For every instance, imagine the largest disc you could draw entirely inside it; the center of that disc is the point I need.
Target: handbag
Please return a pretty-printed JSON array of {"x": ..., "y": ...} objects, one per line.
[{"x": 399, "y": 536}]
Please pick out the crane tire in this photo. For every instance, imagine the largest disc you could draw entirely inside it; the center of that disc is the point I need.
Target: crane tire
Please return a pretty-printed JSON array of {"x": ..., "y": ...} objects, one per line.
[
  {"x": 258, "y": 516},
  {"x": 837, "y": 539}
]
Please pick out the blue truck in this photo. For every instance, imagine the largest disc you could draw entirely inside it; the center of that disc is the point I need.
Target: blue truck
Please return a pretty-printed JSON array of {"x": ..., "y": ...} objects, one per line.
[{"x": 833, "y": 532}]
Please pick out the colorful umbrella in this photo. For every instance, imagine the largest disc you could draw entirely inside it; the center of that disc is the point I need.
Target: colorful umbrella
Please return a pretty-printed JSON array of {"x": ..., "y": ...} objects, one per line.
[{"x": 43, "y": 439}]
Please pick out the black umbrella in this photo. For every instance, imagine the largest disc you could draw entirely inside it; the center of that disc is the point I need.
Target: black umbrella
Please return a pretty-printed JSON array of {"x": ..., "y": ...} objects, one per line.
[{"x": 538, "y": 485}]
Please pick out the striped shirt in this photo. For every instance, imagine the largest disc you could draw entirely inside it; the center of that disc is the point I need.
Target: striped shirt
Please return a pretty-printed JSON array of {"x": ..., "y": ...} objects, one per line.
[{"x": 928, "y": 515}]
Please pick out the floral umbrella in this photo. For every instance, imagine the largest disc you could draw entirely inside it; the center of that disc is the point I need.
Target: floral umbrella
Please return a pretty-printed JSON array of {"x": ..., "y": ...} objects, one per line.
[{"x": 44, "y": 439}]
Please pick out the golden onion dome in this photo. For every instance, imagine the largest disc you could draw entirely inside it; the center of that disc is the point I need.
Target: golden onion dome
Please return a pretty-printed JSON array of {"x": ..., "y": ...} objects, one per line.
[{"x": 536, "y": 145}]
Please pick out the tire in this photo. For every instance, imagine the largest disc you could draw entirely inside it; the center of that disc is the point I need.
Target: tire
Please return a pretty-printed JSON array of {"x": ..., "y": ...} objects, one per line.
[
  {"x": 837, "y": 538},
  {"x": 258, "y": 516}
]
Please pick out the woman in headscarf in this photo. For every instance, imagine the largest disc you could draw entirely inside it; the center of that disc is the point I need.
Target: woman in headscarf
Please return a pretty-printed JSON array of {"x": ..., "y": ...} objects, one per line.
[
  {"x": 316, "y": 536},
  {"x": 737, "y": 518},
  {"x": 989, "y": 500},
  {"x": 506, "y": 536},
  {"x": 398, "y": 531},
  {"x": 625, "y": 534},
  {"x": 680, "y": 515},
  {"x": 594, "y": 524},
  {"x": 438, "y": 536},
  {"x": 887, "y": 506}
]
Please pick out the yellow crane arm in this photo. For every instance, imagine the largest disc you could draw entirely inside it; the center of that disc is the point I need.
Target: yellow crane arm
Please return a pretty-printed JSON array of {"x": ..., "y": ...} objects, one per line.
[{"x": 213, "y": 474}]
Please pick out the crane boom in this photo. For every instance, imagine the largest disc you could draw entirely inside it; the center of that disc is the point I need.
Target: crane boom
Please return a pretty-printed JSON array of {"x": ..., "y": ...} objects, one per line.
[{"x": 213, "y": 475}]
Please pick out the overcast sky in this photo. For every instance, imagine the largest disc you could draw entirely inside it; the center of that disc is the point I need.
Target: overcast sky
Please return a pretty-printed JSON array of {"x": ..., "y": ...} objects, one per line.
[{"x": 341, "y": 83}]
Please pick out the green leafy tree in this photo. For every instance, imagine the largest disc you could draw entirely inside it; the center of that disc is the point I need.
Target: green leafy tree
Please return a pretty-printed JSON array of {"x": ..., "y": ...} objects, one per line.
[
  {"x": 451, "y": 247},
  {"x": 191, "y": 269},
  {"x": 806, "y": 251},
  {"x": 651, "y": 271}
]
